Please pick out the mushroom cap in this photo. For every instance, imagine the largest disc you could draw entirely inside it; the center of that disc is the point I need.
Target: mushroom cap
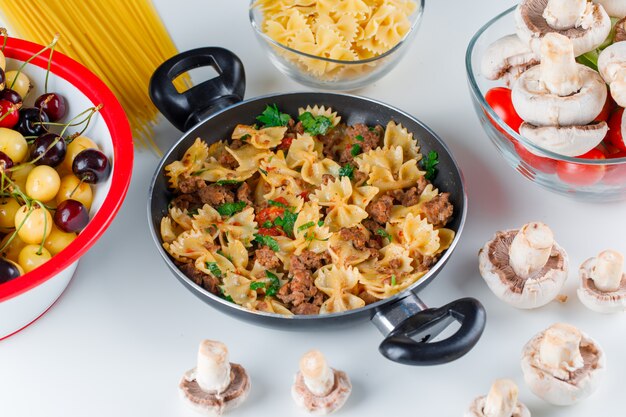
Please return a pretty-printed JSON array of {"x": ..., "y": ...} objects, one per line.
[
  {"x": 322, "y": 405},
  {"x": 596, "y": 300},
  {"x": 581, "y": 383},
  {"x": 535, "y": 291},
  {"x": 568, "y": 140},
  {"x": 212, "y": 404},
  {"x": 531, "y": 27},
  {"x": 536, "y": 105},
  {"x": 612, "y": 67},
  {"x": 614, "y": 8},
  {"x": 477, "y": 406},
  {"x": 507, "y": 57},
  {"x": 620, "y": 31}
]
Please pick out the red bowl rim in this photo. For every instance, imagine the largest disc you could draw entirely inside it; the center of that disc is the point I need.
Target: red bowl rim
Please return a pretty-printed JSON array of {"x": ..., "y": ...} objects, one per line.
[{"x": 121, "y": 137}]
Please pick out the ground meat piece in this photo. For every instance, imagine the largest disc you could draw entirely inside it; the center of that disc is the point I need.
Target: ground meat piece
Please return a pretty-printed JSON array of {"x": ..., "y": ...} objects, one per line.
[
  {"x": 438, "y": 211},
  {"x": 293, "y": 127},
  {"x": 331, "y": 139},
  {"x": 301, "y": 289},
  {"x": 411, "y": 197},
  {"x": 354, "y": 235},
  {"x": 216, "y": 195},
  {"x": 208, "y": 282},
  {"x": 236, "y": 144},
  {"x": 371, "y": 137},
  {"x": 244, "y": 193},
  {"x": 267, "y": 257},
  {"x": 326, "y": 178},
  {"x": 359, "y": 178},
  {"x": 227, "y": 160},
  {"x": 392, "y": 267},
  {"x": 309, "y": 260},
  {"x": 186, "y": 202},
  {"x": 306, "y": 309},
  {"x": 372, "y": 226},
  {"x": 191, "y": 184},
  {"x": 380, "y": 209},
  {"x": 367, "y": 297},
  {"x": 424, "y": 263}
]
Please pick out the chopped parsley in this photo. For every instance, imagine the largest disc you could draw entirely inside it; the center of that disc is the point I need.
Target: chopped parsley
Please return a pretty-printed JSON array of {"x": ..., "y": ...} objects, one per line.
[
  {"x": 193, "y": 212},
  {"x": 274, "y": 284},
  {"x": 226, "y": 297},
  {"x": 219, "y": 252},
  {"x": 320, "y": 223},
  {"x": 244, "y": 137},
  {"x": 430, "y": 164},
  {"x": 383, "y": 233},
  {"x": 264, "y": 172},
  {"x": 271, "y": 117},
  {"x": 306, "y": 226},
  {"x": 356, "y": 149},
  {"x": 346, "y": 171},
  {"x": 287, "y": 221},
  {"x": 315, "y": 125},
  {"x": 359, "y": 138},
  {"x": 311, "y": 237},
  {"x": 393, "y": 280},
  {"x": 372, "y": 128},
  {"x": 228, "y": 209},
  {"x": 214, "y": 269},
  {"x": 228, "y": 182},
  {"x": 267, "y": 224},
  {"x": 268, "y": 241},
  {"x": 276, "y": 203},
  {"x": 256, "y": 285}
]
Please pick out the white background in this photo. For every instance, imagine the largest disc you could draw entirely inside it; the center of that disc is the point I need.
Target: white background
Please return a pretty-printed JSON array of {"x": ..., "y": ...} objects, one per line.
[{"x": 120, "y": 337}]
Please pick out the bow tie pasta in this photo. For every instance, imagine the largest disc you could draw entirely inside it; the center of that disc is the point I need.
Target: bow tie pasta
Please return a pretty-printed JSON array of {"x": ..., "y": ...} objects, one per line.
[{"x": 305, "y": 215}]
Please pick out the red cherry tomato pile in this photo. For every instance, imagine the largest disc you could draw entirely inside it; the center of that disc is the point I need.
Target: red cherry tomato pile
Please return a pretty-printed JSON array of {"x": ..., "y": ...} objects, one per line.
[
  {"x": 46, "y": 175},
  {"x": 613, "y": 146}
]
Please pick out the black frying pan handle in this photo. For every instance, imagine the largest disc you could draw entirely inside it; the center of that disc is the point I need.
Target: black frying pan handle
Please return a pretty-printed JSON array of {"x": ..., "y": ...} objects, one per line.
[
  {"x": 186, "y": 109},
  {"x": 400, "y": 347}
]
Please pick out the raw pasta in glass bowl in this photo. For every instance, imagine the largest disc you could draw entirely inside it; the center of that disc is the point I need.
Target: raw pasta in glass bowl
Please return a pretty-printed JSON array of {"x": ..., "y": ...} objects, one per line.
[
  {"x": 335, "y": 45},
  {"x": 306, "y": 215}
]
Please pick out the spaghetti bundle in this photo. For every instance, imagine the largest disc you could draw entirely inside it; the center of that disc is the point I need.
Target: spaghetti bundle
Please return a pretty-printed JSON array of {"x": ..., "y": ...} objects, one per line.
[{"x": 121, "y": 41}]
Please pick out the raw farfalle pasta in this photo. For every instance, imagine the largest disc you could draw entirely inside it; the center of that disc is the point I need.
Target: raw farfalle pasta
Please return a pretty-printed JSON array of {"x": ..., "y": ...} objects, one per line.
[
  {"x": 306, "y": 215},
  {"x": 344, "y": 30}
]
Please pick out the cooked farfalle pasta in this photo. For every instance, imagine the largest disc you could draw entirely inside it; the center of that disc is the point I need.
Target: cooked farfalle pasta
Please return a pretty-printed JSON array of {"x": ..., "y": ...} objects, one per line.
[
  {"x": 307, "y": 216},
  {"x": 344, "y": 30}
]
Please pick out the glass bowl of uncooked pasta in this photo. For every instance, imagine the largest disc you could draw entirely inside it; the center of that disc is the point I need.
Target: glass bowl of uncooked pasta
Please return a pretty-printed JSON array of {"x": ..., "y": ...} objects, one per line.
[{"x": 335, "y": 46}]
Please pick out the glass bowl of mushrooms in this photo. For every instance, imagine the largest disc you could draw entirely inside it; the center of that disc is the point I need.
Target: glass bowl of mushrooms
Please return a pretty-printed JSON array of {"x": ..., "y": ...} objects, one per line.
[
  {"x": 335, "y": 47},
  {"x": 550, "y": 99}
]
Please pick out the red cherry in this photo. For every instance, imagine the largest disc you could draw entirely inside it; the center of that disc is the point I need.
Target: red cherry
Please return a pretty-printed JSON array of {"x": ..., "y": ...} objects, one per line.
[
  {"x": 9, "y": 114},
  {"x": 71, "y": 216},
  {"x": 53, "y": 105}
]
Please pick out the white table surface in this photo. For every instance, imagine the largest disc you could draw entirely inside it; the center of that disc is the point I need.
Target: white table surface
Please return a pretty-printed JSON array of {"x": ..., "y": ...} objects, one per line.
[{"x": 120, "y": 337}]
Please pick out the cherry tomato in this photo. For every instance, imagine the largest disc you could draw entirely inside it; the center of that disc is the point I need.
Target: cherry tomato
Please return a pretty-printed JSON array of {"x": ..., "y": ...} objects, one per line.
[
  {"x": 615, "y": 174},
  {"x": 608, "y": 107},
  {"x": 617, "y": 127},
  {"x": 285, "y": 143},
  {"x": 272, "y": 231},
  {"x": 540, "y": 163},
  {"x": 581, "y": 174},
  {"x": 305, "y": 195},
  {"x": 499, "y": 98},
  {"x": 271, "y": 212}
]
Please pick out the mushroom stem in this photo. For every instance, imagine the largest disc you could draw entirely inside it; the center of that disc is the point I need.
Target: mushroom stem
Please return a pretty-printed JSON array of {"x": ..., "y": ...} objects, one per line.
[
  {"x": 607, "y": 273},
  {"x": 531, "y": 249},
  {"x": 317, "y": 375},
  {"x": 564, "y": 14},
  {"x": 213, "y": 368},
  {"x": 559, "y": 70},
  {"x": 502, "y": 399},
  {"x": 559, "y": 350}
]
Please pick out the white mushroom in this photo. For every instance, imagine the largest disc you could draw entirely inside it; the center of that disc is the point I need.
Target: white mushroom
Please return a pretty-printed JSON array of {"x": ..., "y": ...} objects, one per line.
[
  {"x": 585, "y": 23},
  {"x": 507, "y": 58},
  {"x": 603, "y": 283},
  {"x": 614, "y": 8},
  {"x": 500, "y": 402},
  {"x": 612, "y": 67},
  {"x": 525, "y": 268},
  {"x": 562, "y": 365},
  {"x": 318, "y": 388},
  {"x": 215, "y": 385},
  {"x": 558, "y": 99},
  {"x": 620, "y": 31}
]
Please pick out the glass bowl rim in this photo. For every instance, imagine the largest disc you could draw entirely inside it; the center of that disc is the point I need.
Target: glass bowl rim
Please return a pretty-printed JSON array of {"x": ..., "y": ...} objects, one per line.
[
  {"x": 501, "y": 124},
  {"x": 415, "y": 22}
]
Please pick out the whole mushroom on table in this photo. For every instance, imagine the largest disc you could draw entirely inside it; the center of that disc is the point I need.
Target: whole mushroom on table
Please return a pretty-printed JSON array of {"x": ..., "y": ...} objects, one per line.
[
  {"x": 603, "y": 283},
  {"x": 500, "y": 402},
  {"x": 525, "y": 268},
  {"x": 562, "y": 365},
  {"x": 559, "y": 98},
  {"x": 215, "y": 385}
]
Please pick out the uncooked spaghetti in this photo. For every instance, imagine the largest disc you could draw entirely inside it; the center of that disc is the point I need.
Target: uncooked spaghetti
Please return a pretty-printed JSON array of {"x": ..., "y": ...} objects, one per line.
[{"x": 121, "y": 41}]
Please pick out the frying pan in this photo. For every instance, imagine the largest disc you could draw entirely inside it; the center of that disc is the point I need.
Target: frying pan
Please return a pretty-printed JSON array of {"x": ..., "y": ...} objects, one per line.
[{"x": 212, "y": 109}]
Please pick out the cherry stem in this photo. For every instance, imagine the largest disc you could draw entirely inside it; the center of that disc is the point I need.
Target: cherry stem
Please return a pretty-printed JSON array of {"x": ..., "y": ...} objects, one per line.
[
  {"x": 45, "y": 88},
  {"x": 77, "y": 186},
  {"x": 5, "y": 35},
  {"x": 12, "y": 109},
  {"x": 19, "y": 70}
]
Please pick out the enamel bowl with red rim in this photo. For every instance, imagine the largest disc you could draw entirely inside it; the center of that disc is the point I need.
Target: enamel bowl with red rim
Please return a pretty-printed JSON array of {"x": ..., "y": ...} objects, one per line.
[
  {"x": 601, "y": 176},
  {"x": 26, "y": 298}
]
